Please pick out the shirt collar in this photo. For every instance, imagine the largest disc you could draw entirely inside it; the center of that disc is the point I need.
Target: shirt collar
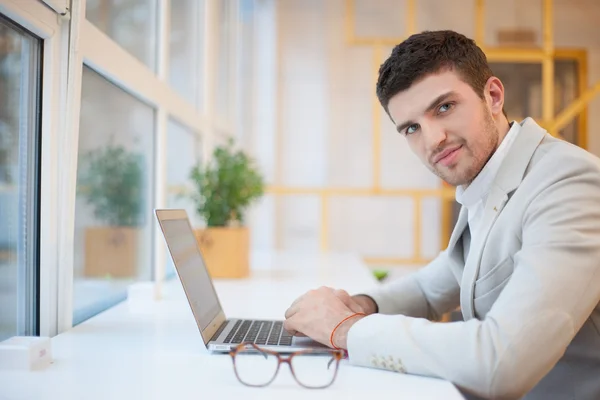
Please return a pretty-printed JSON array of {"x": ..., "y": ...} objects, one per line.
[{"x": 470, "y": 195}]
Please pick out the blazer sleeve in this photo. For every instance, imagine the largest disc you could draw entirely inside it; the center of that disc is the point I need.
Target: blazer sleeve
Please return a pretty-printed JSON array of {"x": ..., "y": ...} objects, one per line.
[
  {"x": 554, "y": 289},
  {"x": 427, "y": 293}
]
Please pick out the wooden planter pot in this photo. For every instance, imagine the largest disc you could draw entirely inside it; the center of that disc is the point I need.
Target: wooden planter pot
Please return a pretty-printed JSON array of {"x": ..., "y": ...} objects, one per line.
[
  {"x": 226, "y": 251},
  {"x": 111, "y": 252}
]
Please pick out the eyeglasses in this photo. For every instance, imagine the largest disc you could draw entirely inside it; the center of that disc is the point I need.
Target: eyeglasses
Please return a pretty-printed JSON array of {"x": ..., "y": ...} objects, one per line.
[{"x": 312, "y": 368}]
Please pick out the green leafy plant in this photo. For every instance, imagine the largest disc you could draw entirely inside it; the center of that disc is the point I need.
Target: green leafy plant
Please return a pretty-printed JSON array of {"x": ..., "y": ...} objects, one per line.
[
  {"x": 380, "y": 275},
  {"x": 112, "y": 182},
  {"x": 226, "y": 186}
]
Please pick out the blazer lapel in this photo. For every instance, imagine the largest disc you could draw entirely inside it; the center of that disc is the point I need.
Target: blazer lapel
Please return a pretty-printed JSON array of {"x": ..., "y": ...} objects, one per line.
[{"x": 509, "y": 178}]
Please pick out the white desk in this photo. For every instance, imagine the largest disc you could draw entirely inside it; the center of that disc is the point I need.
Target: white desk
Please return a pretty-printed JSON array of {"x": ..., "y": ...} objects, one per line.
[{"x": 153, "y": 350}]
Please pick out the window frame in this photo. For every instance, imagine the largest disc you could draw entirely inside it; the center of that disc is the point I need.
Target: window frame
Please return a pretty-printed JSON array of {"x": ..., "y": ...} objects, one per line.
[
  {"x": 52, "y": 30},
  {"x": 106, "y": 57}
]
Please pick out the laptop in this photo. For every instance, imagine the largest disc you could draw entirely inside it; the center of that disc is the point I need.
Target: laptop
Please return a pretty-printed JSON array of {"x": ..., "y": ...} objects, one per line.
[{"x": 219, "y": 333}]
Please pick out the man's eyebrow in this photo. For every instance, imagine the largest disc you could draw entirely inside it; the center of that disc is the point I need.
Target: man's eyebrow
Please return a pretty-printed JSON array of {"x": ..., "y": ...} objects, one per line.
[{"x": 429, "y": 108}]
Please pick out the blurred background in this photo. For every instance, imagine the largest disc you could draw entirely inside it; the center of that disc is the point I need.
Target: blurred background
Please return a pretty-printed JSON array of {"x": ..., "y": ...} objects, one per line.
[{"x": 160, "y": 84}]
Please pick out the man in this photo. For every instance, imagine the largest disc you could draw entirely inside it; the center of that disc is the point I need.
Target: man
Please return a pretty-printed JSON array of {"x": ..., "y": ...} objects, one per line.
[{"x": 523, "y": 262}]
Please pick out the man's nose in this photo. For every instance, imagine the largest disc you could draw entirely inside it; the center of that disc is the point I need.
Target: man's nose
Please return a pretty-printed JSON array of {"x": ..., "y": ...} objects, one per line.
[{"x": 435, "y": 136}]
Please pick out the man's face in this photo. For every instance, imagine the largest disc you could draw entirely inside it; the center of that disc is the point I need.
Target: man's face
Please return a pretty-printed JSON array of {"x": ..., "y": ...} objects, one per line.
[{"x": 447, "y": 125}]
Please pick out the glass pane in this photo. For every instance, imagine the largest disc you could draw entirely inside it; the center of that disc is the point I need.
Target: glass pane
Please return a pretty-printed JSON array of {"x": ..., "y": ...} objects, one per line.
[
  {"x": 224, "y": 60},
  {"x": 130, "y": 23},
  {"x": 113, "y": 214},
  {"x": 185, "y": 62},
  {"x": 20, "y": 77},
  {"x": 183, "y": 152}
]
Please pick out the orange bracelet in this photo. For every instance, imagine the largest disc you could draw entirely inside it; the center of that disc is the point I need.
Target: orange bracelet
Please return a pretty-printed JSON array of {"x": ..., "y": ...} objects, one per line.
[{"x": 338, "y": 325}]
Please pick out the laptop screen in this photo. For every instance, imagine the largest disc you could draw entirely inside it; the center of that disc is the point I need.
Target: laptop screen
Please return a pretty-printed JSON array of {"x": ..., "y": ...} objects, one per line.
[{"x": 192, "y": 272}]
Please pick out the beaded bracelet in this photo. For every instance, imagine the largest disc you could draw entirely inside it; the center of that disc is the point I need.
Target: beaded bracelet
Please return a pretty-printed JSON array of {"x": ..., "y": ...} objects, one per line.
[{"x": 338, "y": 325}]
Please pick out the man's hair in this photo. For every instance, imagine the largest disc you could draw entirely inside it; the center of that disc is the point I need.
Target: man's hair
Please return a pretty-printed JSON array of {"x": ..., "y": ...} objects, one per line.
[{"x": 431, "y": 52}]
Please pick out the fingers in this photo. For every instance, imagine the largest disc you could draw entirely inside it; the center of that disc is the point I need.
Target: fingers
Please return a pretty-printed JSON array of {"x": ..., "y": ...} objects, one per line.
[
  {"x": 291, "y": 311},
  {"x": 290, "y": 327},
  {"x": 293, "y": 307},
  {"x": 341, "y": 294},
  {"x": 305, "y": 307}
]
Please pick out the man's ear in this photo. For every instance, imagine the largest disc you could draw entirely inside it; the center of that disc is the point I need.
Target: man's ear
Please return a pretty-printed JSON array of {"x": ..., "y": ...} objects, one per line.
[{"x": 494, "y": 95}]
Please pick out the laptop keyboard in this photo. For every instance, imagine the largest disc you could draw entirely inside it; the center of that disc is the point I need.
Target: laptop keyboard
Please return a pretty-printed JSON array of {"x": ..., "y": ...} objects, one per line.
[{"x": 269, "y": 333}]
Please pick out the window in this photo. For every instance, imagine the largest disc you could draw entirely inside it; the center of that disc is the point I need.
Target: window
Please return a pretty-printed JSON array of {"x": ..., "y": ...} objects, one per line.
[
  {"x": 224, "y": 61},
  {"x": 77, "y": 227},
  {"x": 130, "y": 23},
  {"x": 20, "y": 79},
  {"x": 185, "y": 50},
  {"x": 183, "y": 152},
  {"x": 113, "y": 213},
  {"x": 244, "y": 107}
]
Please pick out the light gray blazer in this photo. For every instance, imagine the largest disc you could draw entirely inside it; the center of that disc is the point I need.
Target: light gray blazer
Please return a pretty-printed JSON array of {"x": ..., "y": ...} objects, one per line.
[{"x": 529, "y": 292}]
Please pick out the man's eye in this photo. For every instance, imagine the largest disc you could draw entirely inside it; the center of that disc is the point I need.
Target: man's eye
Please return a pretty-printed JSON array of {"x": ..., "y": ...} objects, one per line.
[
  {"x": 445, "y": 107},
  {"x": 412, "y": 129}
]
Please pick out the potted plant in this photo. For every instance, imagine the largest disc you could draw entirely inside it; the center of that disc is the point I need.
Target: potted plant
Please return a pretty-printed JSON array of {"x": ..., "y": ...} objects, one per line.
[
  {"x": 111, "y": 182},
  {"x": 224, "y": 188}
]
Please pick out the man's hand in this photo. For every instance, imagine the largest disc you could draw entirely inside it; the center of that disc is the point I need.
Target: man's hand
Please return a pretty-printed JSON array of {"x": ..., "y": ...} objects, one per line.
[{"x": 318, "y": 312}]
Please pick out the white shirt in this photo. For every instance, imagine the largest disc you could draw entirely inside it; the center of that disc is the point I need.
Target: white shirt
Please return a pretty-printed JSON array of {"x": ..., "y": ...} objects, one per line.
[{"x": 474, "y": 196}]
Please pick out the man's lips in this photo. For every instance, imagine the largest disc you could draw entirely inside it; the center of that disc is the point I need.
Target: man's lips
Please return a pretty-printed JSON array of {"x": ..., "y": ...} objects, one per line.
[{"x": 445, "y": 154}]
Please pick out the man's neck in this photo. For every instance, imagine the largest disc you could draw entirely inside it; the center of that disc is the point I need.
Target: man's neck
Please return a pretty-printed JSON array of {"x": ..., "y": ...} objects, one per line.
[{"x": 503, "y": 126}]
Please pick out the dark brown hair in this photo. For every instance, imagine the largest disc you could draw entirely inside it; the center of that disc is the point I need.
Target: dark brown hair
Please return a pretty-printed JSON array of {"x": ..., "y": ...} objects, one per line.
[{"x": 432, "y": 52}]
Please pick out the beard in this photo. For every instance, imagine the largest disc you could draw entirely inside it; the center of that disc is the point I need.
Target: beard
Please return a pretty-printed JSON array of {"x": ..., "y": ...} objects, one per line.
[{"x": 474, "y": 157}]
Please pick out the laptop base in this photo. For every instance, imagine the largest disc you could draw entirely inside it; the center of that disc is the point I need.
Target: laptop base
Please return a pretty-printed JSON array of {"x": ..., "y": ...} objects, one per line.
[{"x": 267, "y": 334}]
